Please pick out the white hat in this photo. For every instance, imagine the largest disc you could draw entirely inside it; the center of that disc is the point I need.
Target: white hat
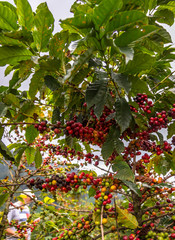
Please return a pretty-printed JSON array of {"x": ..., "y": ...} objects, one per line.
[{"x": 29, "y": 193}]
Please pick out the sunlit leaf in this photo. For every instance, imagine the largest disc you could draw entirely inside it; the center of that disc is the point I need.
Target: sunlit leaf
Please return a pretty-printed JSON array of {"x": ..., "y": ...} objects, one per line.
[
  {"x": 25, "y": 14},
  {"x": 13, "y": 55},
  {"x": 126, "y": 218},
  {"x": 44, "y": 23}
]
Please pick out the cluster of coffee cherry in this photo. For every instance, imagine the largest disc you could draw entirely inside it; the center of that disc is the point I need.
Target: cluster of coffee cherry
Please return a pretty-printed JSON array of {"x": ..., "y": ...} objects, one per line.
[
  {"x": 159, "y": 122},
  {"x": 94, "y": 131},
  {"x": 143, "y": 102},
  {"x": 80, "y": 229},
  {"x": 50, "y": 184}
]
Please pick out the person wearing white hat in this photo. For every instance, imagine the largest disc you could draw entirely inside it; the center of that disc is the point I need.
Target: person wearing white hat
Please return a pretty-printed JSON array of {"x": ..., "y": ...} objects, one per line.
[{"x": 20, "y": 212}]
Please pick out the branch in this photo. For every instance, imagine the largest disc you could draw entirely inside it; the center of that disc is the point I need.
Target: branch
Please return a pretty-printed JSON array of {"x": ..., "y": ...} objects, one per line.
[
  {"x": 163, "y": 80},
  {"x": 101, "y": 226}
]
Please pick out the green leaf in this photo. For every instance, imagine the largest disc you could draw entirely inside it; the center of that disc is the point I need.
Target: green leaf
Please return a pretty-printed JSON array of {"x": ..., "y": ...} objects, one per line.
[
  {"x": 164, "y": 16},
  {"x": 78, "y": 64},
  {"x": 11, "y": 99},
  {"x": 91, "y": 192},
  {"x": 30, "y": 155},
  {"x": 112, "y": 143},
  {"x": 123, "y": 113},
  {"x": 124, "y": 172},
  {"x": 121, "y": 80},
  {"x": 79, "y": 21},
  {"x": 44, "y": 24},
  {"x": 133, "y": 187},
  {"x": 126, "y": 218},
  {"x": 132, "y": 36},
  {"x": 124, "y": 19},
  {"x": 138, "y": 85},
  {"x": 161, "y": 165},
  {"x": 58, "y": 43},
  {"x": 31, "y": 133},
  {"x": 7, "y": 41},
  {"x": 171, "y": 130},
  {"x": 161, "y": 139},
  {"x": 51, "y": 83},
  {"x": 107, "y": 148},
  {"x": 128, "y": 53},
  {"x": 104, "y": 11},
  {"x": 96, "y": 95},
  {"x": 56, "y": 115},
  {"x": 38, "y": 158},
  {"x": 3, "y": 109},
  {"x": 36, "y": 83},
  {"x": 6, "y": 152},
  {"x": 140, "y": 62},
  {"x": 18, "y": 155},
  {"x": 150, "y": 4},
  {"x": 8, "y": 19},
  {"x": 87, "y": 147},
  {"x": 3, "y": 198},
  {"x": 1, "y": 132},
  {"x": 25, "y": 14},
  {"x": 13, "y": 55}
]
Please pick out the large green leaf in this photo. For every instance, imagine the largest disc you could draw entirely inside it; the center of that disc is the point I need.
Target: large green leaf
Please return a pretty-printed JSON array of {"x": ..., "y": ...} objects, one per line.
[
  {"x": 30, "y": 155},
  {"x": 91, "y": 192},
  {"x": 96, "y": 95},
  {"x": 122, "y": 81},
  {"x": 1, "y": 132},
  {"x": 123, "y": 113},
  {"x": 78, "y": 64},
  {"x": 132, "y": 36},
  {"x": 133, "y": 187},
  {"x": 25, "y": 14},
  {"x": 51, "y": 82},
  {"x": 3, "y": 109},
  {"x": 11, "y": 99},
  {"x": 58, "y": 43},
  {"x": 31, "y": 133},
  {"x": 124, "y": 19},
  {"x": 44, "y": 24},
  {"x": 126, "y": 219},
  {"x": 140, "y": 62},
  {"x": 37, "y": 81},
  {"x": 104, "y": 11},
  {"x": 13, "y": 55},
  {"x": 171, "y": 130},
  {"x": 7, "y": 41},
  {"x": 18, "y": 154},
  {"x": 6, "y": 152},
  {"x": 165, "y": 16},
  {"x": 138, "y": 85},
  {"x": 8, "y": 19},
  {"x": 3, "y": 198},
  {"x": 124, "y": 172},
  {"x": 112, "y": 143},
  {"x": 38, "y": 158},
  {"x": 79, "y": 21}
]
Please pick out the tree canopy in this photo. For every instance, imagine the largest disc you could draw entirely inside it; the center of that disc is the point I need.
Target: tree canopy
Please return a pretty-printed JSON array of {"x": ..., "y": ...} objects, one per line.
[{"x": 98, "y": 116}]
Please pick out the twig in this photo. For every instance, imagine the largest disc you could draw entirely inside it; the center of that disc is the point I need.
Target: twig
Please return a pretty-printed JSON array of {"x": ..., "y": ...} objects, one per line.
[
  {"x": 163, "y": 80},
  {"x": 101, "y": 226}
]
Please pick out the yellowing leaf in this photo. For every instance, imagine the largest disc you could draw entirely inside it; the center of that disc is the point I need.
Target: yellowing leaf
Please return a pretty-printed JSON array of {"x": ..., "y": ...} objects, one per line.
[
  {"x": 48, "y": 200},
  {"x": 126, "y": 218}
]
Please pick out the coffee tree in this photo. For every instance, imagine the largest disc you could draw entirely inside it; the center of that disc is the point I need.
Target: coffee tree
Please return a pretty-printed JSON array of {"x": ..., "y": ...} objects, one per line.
[{"x": 97, "y": 116}]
